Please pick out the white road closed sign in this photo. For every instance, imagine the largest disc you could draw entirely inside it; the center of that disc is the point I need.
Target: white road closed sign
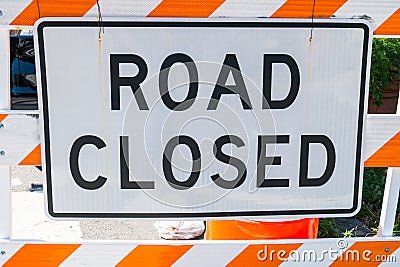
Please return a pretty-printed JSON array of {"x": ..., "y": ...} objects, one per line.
[{"x": 202, "y": 118}]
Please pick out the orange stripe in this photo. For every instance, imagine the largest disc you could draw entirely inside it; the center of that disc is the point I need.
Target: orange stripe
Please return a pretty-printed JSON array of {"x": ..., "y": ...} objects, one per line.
[
  {"x": 154, "y": 255},
  {"x": 254, "y": 255},
  {"x": 41, "y": 255},
  {"x": 304, "y": 8},
  {"x": 33, "y": 158},
  {"x": 52, "y": 8},
  {"x": 391, "y": 26},
  {"x": 3, "y": 116},
  {"x": 185, "y": 8},
  {"x": 386, "y": 156},
  {"x": 365, "y": 253}
]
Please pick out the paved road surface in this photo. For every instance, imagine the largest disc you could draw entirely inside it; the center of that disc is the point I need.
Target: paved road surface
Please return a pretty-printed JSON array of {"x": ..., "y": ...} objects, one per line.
[{"x": 30, "y": 222}]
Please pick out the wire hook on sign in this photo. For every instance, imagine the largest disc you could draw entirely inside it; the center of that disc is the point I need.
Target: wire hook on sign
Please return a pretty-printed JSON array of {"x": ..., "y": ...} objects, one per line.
[
  {"x": 100, "y": 19},
  {"x": 312, "y": 22}
]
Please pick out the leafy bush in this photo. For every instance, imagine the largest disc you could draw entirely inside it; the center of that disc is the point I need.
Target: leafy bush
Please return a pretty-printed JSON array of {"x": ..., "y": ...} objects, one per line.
[
  {"x": 327, "y": 228},
  {"x": 373, "y": 188},
  {"x": 385, "y": 66}
]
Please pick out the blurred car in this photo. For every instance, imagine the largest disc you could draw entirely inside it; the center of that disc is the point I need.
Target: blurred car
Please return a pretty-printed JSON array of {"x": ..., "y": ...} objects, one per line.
[{"x": 23, "y": 73}]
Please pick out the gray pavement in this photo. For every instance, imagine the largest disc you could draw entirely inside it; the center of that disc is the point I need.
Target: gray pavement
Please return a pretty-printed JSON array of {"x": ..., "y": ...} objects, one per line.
[
  {"x": 29, "y": 220},
  {"x": 121, "y": 230}
]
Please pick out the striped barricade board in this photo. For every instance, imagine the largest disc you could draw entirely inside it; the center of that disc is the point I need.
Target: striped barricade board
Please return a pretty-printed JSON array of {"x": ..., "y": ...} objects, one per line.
[
  {"x": 320, "y": 252},
  {"x": 21, "y": 145},
  {"x": 385, "y": 13}
]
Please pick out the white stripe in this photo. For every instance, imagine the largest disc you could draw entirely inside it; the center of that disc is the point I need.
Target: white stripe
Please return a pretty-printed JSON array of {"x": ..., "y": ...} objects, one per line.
[
  {"x": 251, "y": 8},
  {"x": 316, "y": 254},
  {"x": 11, "y": 9},
  {"x": 393, "y": 261},
  {"x": 210, "y": 255},
  {"x": 123, "y": 8},
  {"x": 19, "y": 137},
  {"x": 98, "y": 255},
  {"x": 378, "y": 10},
  {"x": 9, "y": 249},
  {"x": 379, "y": 130}
]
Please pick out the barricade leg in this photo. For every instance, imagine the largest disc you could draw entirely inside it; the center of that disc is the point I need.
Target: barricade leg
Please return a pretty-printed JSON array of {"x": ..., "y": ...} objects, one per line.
[
  {"x": 5, "y": 181},
  {"x": 389, "y": 204}
]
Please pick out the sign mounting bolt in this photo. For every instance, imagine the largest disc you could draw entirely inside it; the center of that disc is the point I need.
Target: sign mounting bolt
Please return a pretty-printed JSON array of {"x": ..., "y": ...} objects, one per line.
[
  {"x": 2, "y": 152},
  {"x": 1, "y": 125}
]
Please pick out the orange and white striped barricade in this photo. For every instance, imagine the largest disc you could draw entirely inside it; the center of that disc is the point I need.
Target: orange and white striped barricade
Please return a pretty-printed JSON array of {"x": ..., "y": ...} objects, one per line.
[
  {"x": 20, "y": 145},
  {"x": 320, "y": 252},
  {"x": 385, "y": 13}
]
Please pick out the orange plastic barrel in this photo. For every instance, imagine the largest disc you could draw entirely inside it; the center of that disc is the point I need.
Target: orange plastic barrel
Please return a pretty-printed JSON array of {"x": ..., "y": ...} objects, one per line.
[{"x": 249, "y": 230}]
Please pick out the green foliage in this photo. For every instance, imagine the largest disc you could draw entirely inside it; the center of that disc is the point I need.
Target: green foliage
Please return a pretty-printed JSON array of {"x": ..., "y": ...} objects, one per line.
[
  {"x": 396, "y": 228},
  {"x": 373, "y": 188},
  {"x": 327, "y": 228},
  {"x": 347, "y": 233},
  {"x": 385, "y": 66}
]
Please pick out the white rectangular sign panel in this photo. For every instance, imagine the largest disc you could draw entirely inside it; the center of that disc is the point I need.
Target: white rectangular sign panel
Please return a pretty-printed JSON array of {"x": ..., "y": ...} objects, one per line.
[{"x": 203, "y": 118}]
